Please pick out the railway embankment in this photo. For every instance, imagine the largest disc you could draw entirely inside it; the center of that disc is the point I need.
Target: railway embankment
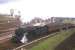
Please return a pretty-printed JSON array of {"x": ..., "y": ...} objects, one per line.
[{"x": 67, "y": 44}]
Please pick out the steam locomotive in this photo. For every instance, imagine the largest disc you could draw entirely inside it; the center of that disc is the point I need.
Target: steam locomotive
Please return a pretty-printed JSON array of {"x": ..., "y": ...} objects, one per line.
[{"x": 23, "y": 35}]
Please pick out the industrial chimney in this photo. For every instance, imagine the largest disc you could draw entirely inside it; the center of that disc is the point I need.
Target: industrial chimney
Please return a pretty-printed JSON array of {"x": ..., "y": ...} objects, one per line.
[{"x": 11, "y": 12}]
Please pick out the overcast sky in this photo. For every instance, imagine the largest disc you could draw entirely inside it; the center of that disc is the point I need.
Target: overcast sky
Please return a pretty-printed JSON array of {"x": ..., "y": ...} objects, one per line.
[{"x": 39, "y": 8}]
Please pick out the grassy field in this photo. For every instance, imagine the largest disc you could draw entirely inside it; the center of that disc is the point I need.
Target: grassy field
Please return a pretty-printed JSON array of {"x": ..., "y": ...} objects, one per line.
[{"x": 52, "y": 42}]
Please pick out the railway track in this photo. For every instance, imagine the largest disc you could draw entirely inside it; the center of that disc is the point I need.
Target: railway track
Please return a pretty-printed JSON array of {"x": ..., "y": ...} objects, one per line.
[
  {"x": 5, "y": 38},
  {"x": 7, "y": 35}
]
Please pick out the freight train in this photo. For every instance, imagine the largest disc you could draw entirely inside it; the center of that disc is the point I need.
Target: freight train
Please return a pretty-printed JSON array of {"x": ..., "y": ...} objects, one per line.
[{"x": 23, "y": 35}]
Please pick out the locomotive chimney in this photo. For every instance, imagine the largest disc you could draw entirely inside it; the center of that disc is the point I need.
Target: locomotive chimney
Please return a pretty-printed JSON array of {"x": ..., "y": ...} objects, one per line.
[{"x": 51, "y": 19}]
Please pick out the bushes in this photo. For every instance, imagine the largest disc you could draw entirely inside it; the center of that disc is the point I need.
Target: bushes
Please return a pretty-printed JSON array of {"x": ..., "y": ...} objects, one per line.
[{"x": 14, "y": 40}]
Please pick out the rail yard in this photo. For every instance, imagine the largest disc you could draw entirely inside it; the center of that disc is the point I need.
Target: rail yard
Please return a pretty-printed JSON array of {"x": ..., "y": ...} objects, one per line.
[{"x": 14, "y": 37}]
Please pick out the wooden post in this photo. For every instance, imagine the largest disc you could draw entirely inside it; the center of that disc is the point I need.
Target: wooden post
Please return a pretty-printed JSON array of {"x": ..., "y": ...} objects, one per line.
[{"x": 22, "y": 48}]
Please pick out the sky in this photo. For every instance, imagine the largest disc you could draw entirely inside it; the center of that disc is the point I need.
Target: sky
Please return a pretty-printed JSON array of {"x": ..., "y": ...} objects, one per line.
[{"x": 39, "y": 8}]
